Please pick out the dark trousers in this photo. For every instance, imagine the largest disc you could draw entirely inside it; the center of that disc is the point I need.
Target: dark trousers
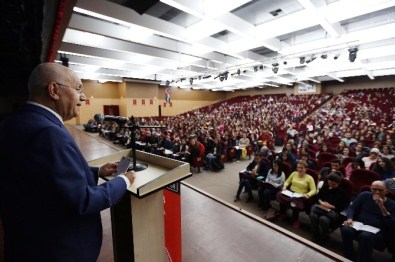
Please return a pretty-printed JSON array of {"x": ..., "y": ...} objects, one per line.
[
  {"x": 320, "y": 224},
  {"x": 245, "y": 182},
  {"x": 265, "y": 196},
  {"x": 366, "y": 242}
]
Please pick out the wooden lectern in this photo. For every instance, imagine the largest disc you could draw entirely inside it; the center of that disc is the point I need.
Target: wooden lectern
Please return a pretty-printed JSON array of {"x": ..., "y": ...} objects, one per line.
[{"x": 138, "y": 219}]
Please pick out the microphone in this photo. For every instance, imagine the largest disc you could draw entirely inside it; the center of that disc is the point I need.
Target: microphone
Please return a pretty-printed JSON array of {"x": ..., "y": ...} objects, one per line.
[{"x": 119, "y": 119}]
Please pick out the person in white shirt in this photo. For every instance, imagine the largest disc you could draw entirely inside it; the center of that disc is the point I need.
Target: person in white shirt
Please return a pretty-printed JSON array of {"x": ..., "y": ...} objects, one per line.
[{"x": 372, "y": 158}]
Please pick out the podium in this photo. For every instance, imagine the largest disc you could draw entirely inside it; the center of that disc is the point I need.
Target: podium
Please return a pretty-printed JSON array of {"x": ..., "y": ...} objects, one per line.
[{"x": 138, "y": 219}]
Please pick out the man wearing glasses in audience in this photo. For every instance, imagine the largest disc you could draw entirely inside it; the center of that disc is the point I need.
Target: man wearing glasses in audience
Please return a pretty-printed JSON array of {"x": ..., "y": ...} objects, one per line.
[{"x": 373, "y": 209}]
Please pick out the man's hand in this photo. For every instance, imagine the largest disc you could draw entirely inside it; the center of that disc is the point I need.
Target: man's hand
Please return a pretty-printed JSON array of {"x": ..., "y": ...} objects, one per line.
[
  {"x": 379, "y": 201},
  {"x": 348, "y": 222},
  {"x": 131, "y": 175},
  {"x": 108, "y": 169}
]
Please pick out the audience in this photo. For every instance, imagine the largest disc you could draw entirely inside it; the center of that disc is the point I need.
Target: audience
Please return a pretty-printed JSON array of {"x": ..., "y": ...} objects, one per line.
[{"x": 355, "y": 125}]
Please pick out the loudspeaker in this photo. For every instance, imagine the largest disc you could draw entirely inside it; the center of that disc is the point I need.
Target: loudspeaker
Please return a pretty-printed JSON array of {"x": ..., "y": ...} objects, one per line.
[{"x": 140, "y": 6}]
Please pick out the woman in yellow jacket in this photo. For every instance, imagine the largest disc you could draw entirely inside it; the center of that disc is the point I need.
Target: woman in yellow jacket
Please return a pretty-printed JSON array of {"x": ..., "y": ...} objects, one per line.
[{"x": 301, "y": 188}]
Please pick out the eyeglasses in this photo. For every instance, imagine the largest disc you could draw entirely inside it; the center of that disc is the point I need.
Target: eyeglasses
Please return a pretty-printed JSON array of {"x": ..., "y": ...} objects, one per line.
[
  {"x": 376, "y": 189},
  {"x": 78, "y": 90}
]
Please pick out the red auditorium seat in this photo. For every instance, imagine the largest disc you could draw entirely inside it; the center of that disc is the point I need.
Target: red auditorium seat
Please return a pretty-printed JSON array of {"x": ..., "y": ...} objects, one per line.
[
  {"x": 197, "y": 162},
  {"x": 250, "y": 151},
  {"x": 346, "y": 161},
  {"x": 231, "y": 153},
  {"x": 324, "y": 157},
  {"x": 287, "y": 169},
  {"x": 361, "y": 178}
]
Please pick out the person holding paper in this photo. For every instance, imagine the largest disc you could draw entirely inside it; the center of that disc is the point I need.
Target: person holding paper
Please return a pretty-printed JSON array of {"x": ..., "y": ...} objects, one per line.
[
  {"x": 331, "y": 200},
  {"x": 373, "y": 209},
  {"x": 303, "y": 185},
  {"x": 50, "y": 202},
  {"x": 274, "y": 181},
  {"x": 254, "y": 169}
]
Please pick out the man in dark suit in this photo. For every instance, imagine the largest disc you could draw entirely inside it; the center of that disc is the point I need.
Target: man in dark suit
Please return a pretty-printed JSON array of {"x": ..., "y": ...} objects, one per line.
[{"x": 50, "y": 202}]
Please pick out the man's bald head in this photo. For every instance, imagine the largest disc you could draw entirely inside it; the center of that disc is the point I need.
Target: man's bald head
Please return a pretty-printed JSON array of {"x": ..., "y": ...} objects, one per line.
[
  {"x": 379, "y": 187},
  {"x": 44, "y": 74}
]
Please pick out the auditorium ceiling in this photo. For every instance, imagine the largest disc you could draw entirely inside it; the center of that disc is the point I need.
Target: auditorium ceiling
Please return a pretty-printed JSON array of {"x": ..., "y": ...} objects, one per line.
[{"x": 230, "y": 44}]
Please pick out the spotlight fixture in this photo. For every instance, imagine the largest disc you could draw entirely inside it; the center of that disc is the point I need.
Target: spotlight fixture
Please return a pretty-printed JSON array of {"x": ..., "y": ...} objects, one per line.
[
  {"x": 225, "y": 74},
  {"x": 275, "y": 68},
  {"x": 302, "y": 60},
  {"x": 353, "y": 54},
  {"x": 222, "y": 76},
  {"x": 236, "y": 73},
  {"x": 65, "y": 60},
  {"x": 336, "y": 57},
  {"x": 324, "y": 56},
  {"x": 285, "y": 62}
]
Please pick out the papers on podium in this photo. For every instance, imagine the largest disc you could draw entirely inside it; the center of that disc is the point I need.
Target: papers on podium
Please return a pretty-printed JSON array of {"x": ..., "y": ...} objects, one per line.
[
  {"x": 291, "y": 194},
  {"x": 360, "y": 226}
]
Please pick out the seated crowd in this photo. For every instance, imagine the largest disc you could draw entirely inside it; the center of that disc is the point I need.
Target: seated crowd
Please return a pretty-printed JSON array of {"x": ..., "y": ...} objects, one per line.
[{"x": 335, "y": 150}]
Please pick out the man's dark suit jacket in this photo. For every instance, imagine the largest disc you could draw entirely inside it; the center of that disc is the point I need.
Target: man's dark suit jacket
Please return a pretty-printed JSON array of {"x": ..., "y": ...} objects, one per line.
[{"x": 50, "y": 202}]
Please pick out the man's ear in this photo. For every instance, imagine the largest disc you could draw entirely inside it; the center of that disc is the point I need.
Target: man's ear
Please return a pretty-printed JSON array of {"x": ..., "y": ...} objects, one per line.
[{"x": 53, "y": 90}]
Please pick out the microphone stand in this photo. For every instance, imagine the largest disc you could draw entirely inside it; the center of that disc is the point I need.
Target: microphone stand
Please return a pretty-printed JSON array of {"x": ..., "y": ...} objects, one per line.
[{"x": 132, "y": 127}]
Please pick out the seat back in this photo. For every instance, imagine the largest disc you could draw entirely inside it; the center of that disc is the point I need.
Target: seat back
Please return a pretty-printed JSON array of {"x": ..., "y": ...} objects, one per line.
[
  {"x": 314, "y": 174},
  {"x": 325, "y": 157},
  {"x": 231, "y": 153},
  {"x": 197, "y": 162},
  {"x": 250, "y": 151},
  {"x": 346, "y": 185},
  {"x": 346, "y": 161},
  {"x": 362, "y": 178},
  {"x": 287, "y": 169}
]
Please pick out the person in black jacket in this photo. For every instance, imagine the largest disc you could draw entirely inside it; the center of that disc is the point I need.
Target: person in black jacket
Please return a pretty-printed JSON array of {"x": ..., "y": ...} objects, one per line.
[
  {"x": 257, "y": 167},
  {"x": 331, "y": 200},
  {"x": 214, "y": 154}
]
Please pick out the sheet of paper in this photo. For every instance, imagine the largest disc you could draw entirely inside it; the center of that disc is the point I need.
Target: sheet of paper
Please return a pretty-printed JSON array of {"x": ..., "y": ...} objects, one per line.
[{"x": 123, "y": 165}]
